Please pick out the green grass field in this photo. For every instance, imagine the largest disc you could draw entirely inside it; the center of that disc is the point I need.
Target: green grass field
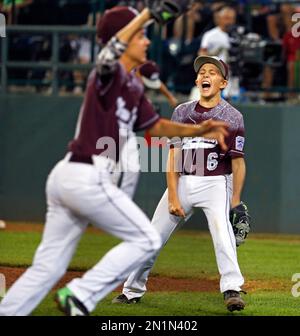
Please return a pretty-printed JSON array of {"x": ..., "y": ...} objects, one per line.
[{"x": 267, "y": 263}]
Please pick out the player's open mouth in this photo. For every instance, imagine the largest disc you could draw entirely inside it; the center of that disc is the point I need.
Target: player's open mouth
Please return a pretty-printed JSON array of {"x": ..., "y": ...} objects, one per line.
[{"x": 206, "y": 85}]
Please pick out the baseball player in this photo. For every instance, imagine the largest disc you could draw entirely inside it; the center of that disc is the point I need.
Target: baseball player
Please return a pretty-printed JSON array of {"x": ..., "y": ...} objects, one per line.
[
  {"x": 79, "y": 188},
  {"x": 150, "y": 75},
  {"x": 128, "y": 168},
  {"x": 208, "y": 177}
]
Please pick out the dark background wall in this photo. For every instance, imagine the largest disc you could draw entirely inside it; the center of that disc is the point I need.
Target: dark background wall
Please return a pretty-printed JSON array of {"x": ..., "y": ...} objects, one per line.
[{"x": 35, "y": 130}]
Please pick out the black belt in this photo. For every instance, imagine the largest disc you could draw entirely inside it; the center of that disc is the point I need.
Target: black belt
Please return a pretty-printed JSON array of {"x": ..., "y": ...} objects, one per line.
[{"x": 81, "y": 159}]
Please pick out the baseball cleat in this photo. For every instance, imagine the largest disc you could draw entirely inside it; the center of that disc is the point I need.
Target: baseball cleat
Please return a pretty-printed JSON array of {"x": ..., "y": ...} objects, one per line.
[
  {"x": 233, "y": 300},
  {"x": 123, "y": 299},
  {"x": 69, "y": 304}
]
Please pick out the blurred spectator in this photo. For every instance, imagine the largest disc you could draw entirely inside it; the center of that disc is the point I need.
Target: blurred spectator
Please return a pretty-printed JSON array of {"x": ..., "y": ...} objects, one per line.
[
  {"x": 208, "y": 22},
  {"x": 190, "y": 25},
  {"x": 268, "y": 20},
  {"x": 216, "y": 42},
  {"x": 12, "y": 9},
  {"x": 84, "y": 55},
  {"x": 182, "y": 45},
  {"x": 291, "y": 47},
  {"x": 149, "y": 73},
  {"x": 199, "y": 19}
]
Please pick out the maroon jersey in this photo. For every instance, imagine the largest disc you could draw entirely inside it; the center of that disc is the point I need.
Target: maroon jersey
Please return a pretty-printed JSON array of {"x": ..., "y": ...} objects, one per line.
[
  {"x": 114, "y": 106},
  {"x": 202, "y": 156}
]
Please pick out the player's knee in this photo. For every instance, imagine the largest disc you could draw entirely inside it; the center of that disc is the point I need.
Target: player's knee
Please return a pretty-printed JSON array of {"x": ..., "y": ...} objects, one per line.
[
  {"x": 156, "y": 241},
  {"x": 150, "y": 242}
]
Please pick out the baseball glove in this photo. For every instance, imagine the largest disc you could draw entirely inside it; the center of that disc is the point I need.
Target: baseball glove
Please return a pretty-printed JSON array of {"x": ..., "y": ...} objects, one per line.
[
  {"x": 167, "y": 10},
  {"x": 240, "y": 221}
]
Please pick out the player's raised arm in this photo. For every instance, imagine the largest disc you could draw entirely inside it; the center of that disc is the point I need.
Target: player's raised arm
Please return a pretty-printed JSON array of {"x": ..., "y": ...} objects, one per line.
[
  {"x": 161, "y": 11},
  {"x": 210, "y": 129},
  {"x": 115, "y": 46},
  {"x": 125, "y": 34}
]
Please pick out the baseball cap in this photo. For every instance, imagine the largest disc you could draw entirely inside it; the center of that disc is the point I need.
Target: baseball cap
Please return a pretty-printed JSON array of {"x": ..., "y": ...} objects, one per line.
[
  {"x": 150, "y": 75},
  {"x": 221, "y": 65},
  {"x": 113, "y": 20}
]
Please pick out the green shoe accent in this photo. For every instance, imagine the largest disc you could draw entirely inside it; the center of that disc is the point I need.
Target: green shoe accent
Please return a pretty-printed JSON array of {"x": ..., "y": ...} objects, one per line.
[
  {"x": 166, "y": 16},
  {"x": 63, "y": 294},
  {"x": 69, "y": 304}
]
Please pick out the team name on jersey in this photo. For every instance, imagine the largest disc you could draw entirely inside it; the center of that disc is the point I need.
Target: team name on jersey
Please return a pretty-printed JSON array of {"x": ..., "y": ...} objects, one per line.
[
  {"x": 198, "y": 142},
  {"x": 125, "y": 117}
]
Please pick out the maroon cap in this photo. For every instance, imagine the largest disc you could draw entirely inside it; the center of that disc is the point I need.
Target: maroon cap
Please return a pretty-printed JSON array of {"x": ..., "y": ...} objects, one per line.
[
  {"x": 221, "y": 65},
  {"x": 150, "y": 75},
  {"x": 114, "y": 20}
]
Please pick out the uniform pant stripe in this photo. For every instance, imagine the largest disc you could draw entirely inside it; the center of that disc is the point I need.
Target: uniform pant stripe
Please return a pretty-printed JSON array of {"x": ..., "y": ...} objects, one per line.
[{"x": 227, "y": 210}]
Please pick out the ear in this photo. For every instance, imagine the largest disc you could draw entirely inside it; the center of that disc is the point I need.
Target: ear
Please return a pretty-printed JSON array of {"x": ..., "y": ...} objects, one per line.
[
  {"x": 223, "y": 84},
  {"x": 196, "y": 82}
]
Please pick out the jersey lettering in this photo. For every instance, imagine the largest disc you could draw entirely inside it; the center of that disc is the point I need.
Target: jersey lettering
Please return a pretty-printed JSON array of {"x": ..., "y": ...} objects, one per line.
[
  {"x": 212, "y": 161},
  {"x": 126, "y": 118}
]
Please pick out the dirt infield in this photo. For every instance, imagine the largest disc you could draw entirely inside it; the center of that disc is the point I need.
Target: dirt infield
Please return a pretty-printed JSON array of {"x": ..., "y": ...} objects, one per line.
[
  {"x": 160, "y": 283},
  {"x": 155, "y": 283}
]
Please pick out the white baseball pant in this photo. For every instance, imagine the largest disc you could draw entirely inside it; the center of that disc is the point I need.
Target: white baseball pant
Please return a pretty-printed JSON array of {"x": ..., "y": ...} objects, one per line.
[
  {"x": 127, "y": 172},
  {"x": 213, "y": 195},
  {"x": 77, "y": 194}
]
